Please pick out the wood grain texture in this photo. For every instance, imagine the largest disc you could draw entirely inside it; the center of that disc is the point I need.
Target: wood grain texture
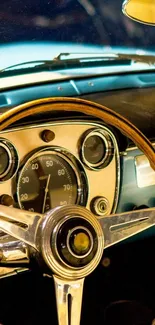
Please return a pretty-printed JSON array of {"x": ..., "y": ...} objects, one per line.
[{"x": 89, "y": 108}]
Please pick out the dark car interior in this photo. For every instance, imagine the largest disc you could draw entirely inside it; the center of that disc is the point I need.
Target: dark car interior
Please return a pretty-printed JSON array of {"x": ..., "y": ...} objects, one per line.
[{"x": 77, "y": 162}]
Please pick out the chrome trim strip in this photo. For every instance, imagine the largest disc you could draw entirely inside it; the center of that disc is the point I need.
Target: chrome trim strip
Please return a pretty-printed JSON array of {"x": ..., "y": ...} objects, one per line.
[
  {"x": 131, "y": 148},
  {"x": 136, "y": 148}
]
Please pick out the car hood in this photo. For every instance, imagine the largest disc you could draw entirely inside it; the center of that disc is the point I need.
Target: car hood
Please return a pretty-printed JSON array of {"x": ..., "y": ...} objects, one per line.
[{"x": 16, "y": 53}]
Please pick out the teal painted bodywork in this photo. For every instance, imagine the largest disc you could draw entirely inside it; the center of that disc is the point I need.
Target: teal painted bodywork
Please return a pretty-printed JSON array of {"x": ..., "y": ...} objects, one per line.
[
  {"x": 131, "y": 195},
  {"x": 76, "y": 87}
]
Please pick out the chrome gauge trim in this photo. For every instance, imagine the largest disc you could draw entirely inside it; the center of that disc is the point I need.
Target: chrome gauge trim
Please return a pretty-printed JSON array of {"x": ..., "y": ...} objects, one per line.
[
  {"x": 13, "y": 160},
  {"x": 10, "y": 159},
  {"x": 109, "y": 148},
  {"x": 82, "y": 184}
]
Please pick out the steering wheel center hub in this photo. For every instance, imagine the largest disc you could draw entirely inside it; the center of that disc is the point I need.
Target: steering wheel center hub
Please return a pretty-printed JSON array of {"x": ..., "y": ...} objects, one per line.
[
  {"x": 71, "y": 241},
  {"x": 76, "y": 242}
]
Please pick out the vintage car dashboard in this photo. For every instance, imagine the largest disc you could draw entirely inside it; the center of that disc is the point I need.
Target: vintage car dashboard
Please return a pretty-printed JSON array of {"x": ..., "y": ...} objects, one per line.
[
  {"x": 63, "y": 159},
  {"x": 58, "y": 163},
  {"x": 116, "y": 178},
  {"x": 69, "y": 158}
]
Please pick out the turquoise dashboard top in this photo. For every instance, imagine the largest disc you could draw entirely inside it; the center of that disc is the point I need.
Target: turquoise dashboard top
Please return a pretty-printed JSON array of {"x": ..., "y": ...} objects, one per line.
[{"x": 76, "y": 87}]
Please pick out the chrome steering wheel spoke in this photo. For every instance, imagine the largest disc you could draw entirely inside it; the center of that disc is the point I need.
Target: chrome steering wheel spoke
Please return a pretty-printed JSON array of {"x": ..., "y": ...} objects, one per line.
[
  {"x": 70, "y": 240},
  {"x": 119, "y": 227},
  {"x": 68, "y": 300},
  {"x": 20, "y": 224}
]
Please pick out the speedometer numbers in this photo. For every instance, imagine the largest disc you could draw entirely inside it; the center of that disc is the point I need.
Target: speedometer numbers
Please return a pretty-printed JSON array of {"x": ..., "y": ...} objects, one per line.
[{"x": 51, "y": 178}]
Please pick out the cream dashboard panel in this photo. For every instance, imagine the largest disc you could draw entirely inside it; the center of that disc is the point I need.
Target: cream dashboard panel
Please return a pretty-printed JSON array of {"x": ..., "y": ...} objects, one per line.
[{"x": 103, "y": 182}]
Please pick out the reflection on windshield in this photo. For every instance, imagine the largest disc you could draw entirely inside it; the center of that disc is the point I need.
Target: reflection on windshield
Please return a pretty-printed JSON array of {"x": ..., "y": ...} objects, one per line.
[{"x": 79, "y": 21}]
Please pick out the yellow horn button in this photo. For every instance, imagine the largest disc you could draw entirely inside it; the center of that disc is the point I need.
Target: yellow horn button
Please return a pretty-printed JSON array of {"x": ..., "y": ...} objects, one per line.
[{"x": 81, "y": 242}]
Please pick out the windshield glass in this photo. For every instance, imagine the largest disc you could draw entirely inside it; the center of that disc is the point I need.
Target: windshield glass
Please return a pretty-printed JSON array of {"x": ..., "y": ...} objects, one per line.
[{"x": 97, "y": 22}]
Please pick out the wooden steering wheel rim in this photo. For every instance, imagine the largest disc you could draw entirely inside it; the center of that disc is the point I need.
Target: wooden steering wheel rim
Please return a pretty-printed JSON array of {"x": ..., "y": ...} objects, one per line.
[{"x": 105, "y": 114}]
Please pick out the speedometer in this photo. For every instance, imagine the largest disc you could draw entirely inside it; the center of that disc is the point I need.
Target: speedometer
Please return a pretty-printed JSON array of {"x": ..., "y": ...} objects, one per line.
[{"x": 49, "y": 179}]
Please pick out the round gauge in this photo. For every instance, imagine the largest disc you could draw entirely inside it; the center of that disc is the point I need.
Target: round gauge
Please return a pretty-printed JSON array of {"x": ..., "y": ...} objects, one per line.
[
  {"x": 47, "y": 180},
  {"x": 94, "y": 149},
  {"x": 97, "y": 149},
  {"x": 4, "y": 160},
  {"x": 8, "y": 160}
]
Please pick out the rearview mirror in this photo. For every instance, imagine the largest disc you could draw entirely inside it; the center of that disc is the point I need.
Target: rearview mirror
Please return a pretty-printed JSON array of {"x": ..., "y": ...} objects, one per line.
[{"x": 142, "y": 11}]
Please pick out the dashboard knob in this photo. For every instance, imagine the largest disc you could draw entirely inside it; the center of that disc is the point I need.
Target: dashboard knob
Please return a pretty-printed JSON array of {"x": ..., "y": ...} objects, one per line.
[
  {"x": 47, "y": 135},
  {"x": 100, "y": 206},
  {"x": 6, "y": 200}
]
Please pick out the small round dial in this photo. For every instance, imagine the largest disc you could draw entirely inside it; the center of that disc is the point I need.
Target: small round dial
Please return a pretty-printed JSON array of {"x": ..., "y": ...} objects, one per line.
[
  {"x": 47, "y": 180},
  {"x": 8, "y": 160},
  {"x": 4, "y": 160},
  {"x": 97, "y": 149},
  {"x": 94, "y": 149}
]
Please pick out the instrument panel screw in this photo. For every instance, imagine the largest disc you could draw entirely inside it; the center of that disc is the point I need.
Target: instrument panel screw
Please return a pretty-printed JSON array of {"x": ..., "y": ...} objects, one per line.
[
  {"x": 91, "y": 84},
  {"x": 60, "y": 88}
]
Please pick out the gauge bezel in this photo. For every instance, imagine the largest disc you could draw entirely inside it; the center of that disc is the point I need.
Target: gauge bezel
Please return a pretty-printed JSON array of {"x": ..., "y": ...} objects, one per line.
[
  {"x": 74, "y": 163},
  {"x": 13, "y": 160},
  {"x": 109, "y": 148}
]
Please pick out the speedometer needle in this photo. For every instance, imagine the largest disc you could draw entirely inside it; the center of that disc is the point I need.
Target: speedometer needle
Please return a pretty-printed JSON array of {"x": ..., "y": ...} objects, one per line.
[{"x": 46, "y": 191}]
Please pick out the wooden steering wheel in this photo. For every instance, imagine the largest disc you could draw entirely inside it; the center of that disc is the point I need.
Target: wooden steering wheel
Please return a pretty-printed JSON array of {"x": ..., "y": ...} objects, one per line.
[{"x": 43, "y": 234}]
